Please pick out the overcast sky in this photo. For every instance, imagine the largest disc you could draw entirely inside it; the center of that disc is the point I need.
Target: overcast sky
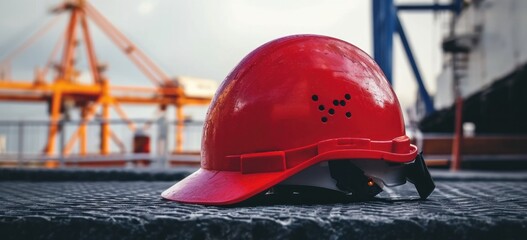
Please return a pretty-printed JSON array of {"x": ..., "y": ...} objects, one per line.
[{"x": 207, "y": 38}]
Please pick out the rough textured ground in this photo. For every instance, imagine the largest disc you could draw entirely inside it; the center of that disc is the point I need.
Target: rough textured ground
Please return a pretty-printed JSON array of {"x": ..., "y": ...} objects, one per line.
[{"x": 472, "y": 207}]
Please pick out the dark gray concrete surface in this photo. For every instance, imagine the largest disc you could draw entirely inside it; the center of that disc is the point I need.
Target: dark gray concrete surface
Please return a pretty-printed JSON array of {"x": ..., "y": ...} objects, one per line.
[
  {"x": 476, "y": 206},
  {"x": 94, "y": 174}
]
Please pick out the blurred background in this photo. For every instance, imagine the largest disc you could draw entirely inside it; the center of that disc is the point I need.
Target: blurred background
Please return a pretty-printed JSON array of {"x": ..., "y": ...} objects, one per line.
[{"x": 127, "y": 83}]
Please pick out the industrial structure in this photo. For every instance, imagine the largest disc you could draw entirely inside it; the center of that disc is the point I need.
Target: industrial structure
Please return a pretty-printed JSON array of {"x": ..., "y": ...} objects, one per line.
[
  {"x": 65, "y": 92},
  {"x": 477, "y": 111},
  {"x": 481, "y": 89}
]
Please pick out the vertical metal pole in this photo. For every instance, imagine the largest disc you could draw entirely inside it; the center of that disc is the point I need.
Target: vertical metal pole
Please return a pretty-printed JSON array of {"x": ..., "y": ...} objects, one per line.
[
  {"x": 62, "y": 141},
  {"x": 105, "y": 125},
  {"x": 179, "y": 128},
  {"x": 383, "y": 29},
  {"x": 162, "y": 141},
  {"x": 21, "y": 143},
  {"x": 458, "y": 135},
  {"x": 55, "y": 113},
  {"x": 83, "y": 131}
]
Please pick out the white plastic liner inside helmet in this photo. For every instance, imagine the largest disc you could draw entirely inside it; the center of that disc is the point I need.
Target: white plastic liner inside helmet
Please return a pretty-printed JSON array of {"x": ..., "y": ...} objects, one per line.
[{"x": 381, "y": 172}]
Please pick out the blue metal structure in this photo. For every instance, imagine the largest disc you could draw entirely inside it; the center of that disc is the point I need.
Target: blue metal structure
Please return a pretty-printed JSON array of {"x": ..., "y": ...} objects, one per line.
[
  {"x": 430, "y": 7},
  {"x": 383, "y": 29},
  {"x": 385, "y": 23},
  {"x": 427, "y": 100}
]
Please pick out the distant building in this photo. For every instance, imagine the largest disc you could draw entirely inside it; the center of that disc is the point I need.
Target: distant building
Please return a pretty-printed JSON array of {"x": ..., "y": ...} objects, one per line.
[{"x": 486, "y": 52}]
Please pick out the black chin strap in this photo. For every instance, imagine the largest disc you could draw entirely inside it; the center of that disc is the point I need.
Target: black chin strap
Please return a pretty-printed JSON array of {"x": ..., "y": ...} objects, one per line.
[
  {"x": 417, "y": 173},
  {"x": 351, "y": 179}
]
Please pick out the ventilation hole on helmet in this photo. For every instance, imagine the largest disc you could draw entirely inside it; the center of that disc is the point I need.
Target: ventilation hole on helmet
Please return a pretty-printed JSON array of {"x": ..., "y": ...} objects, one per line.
[
  {"x": 347, "y": 96},
  {"x": 324, "y": 119},
  {"x": 336, "y": 102},
  {"x": 321, "y": 107},
  {"x": 331, "y": 111},
  {"x": 314, "y": 97},
  {"x": 348, "y": 114},
  {"x": 342, "y": 103}
]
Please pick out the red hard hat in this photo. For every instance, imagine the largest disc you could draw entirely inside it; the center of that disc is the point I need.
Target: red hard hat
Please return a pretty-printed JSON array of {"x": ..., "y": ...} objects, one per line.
[{"x": 291, "y": 104}]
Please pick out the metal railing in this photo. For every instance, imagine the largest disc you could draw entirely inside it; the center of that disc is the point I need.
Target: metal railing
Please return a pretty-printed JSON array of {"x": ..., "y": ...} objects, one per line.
[{"x": 23, "y": 143}]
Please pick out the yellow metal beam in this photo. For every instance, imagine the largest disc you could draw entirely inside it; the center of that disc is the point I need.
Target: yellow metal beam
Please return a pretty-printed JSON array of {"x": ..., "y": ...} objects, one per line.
[
  {"x": 22, "y": 98},
  {"x": 179, "y": 129},
  {"x": 65, "y": 87},
  {"x": 106, "y": 101},
  {"x": 55, "y": 118}
]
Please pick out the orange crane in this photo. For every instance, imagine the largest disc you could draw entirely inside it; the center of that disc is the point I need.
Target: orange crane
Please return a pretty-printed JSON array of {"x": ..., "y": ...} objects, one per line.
[{"x": 99, "y": 94}]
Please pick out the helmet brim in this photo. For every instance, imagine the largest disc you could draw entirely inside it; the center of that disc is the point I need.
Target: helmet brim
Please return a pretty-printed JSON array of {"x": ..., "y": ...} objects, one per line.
[
  {"x": 214, "y": 187},
  {"x": 210, "y": 187}
]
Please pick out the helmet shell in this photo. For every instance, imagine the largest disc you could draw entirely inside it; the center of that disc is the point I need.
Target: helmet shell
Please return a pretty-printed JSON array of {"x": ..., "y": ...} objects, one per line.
[{"x": 296, "y": 91}]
